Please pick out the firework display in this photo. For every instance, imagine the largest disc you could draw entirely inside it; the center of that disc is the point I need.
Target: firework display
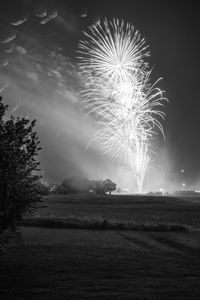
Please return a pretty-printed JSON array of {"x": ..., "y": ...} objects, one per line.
[{"x": 119, "y": 95}]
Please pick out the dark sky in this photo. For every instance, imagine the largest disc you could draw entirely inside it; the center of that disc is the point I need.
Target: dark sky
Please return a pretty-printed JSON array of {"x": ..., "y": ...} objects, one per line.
[{"x": 38, "y": 69}]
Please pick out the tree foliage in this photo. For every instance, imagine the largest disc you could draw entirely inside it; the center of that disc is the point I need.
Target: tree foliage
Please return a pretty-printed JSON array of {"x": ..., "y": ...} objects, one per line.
[
  {"x": 79, "y": 185},
  {"x": 19, "y": 146},
  {"x": 42, "y": 189},
  {"x": 97, "y": 187},
  {"x": 109, "y": 186},
  {"x": 74, "y": 185}
]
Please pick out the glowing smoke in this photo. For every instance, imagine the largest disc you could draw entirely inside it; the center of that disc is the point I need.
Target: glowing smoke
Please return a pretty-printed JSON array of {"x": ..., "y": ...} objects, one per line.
[
  {"x": 119, "y": 93},
  {"x": 41, "y": 82}
]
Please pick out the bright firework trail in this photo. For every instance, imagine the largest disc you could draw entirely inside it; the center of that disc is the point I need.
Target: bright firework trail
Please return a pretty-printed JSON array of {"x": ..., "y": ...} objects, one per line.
[{"x": 118, "y": 92}]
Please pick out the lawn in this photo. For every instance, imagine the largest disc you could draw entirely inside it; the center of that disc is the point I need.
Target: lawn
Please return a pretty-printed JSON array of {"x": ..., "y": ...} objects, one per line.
[
  {"x": 59, "y": 263},
  {"x": 136, "y": 209}
]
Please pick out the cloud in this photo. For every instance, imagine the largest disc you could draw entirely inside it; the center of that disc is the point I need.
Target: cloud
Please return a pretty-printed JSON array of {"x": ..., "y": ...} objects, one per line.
[
  {"x": 9, "y": 38},
  {"x": 3, "y": 63},
  {"x": 49, "y": 17},
  {"x": 41, "y": 13},
  {"x": 83, "y": 14},
  {"x": 9, "y": 49},
  {"x": 21, "y": 50},
  {"x": 20, "y": 21}
]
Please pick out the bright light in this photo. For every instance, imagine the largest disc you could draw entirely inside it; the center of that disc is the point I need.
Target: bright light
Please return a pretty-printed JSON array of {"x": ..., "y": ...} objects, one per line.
[{"x": 119, "y": 93}]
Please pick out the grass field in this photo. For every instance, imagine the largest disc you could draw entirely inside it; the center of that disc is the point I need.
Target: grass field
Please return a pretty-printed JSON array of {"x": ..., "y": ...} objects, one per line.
[
  {"x": 135, "y": 209},
  {"x": 60, "y": 263}
]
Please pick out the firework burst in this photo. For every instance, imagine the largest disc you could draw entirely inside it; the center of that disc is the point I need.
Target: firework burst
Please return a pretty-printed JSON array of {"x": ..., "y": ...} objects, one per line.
[{"x": 119, "y": 93}]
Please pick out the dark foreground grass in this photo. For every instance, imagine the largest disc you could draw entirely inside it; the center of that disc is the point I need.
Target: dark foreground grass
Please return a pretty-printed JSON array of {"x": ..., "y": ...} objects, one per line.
[
  {"x": 99, "y": 224},
  {"x": 121, "y": 259},
  {"x": 52, "y": 263}
]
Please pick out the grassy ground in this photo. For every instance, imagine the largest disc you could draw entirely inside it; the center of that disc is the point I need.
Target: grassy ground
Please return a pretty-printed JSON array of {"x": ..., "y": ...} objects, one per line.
[
  {"x": 133, "y": 209},
  {"x": 52, "y": 263}
]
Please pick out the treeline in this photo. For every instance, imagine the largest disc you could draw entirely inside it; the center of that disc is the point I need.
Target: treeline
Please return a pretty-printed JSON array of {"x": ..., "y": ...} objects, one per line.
[{"x": 79, "y": 185}]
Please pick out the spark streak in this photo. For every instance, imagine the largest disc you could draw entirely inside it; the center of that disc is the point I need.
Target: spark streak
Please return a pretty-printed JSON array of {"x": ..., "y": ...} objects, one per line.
[{"x": 118, "y": 92}]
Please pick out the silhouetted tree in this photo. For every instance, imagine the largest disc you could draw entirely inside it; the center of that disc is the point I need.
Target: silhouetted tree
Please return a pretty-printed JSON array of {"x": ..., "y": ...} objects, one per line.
[
  {"x": 109, "y": 186},
  {"x": 74, "y": 185},
  {"x": 58, "y": 189},
  {"x": 79, "y": 185},
  {"x": 97, "y": 187},
  {"x": 19, "y": 146},
  {"x": 63, "y": 188}
]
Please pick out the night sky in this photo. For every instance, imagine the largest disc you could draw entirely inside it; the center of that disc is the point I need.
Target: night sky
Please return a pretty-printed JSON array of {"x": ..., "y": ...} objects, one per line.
[{"x": 39, "y": 78}]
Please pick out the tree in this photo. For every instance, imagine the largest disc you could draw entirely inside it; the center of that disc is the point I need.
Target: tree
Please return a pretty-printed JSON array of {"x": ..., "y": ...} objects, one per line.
[
  {"x": 109, "y": 186},
  {"x": 74, "y": 185},
  {"x": 97, "y": 187},
  {"x": 78, "y": 184},
  {"x": 63, "y": 188},
  {"x": 19, "y": 146}
]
